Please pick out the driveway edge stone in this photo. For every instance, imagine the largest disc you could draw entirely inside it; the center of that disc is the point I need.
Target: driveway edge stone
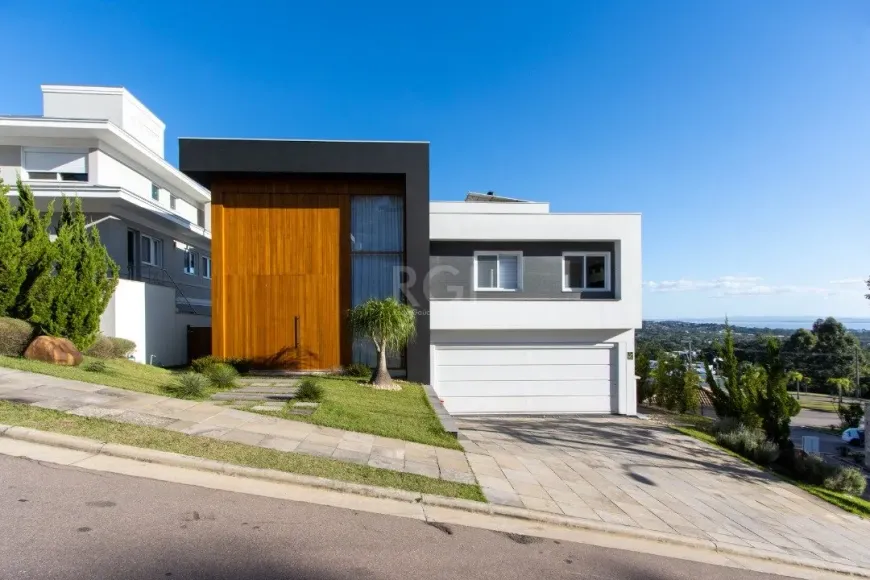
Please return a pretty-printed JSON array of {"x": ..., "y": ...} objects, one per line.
[{"x": 186, "y": 461}]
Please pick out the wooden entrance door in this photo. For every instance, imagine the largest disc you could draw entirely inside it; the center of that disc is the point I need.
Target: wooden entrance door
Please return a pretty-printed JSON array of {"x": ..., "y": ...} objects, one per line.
[{"x": 278, "y": 287}]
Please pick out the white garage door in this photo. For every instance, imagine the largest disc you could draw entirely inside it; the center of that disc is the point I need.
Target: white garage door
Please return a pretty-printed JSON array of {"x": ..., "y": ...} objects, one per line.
[{"x": 525, "y": 379}]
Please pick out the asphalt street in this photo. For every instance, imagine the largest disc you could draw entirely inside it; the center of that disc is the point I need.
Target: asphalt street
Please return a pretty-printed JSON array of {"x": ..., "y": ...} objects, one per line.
[
  {"x": 67, "y": 523},
  {"x": 813, "y": 418}
]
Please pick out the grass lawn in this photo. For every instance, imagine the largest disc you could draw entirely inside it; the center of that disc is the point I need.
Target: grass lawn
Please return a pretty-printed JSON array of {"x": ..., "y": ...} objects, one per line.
[
  {"x": 350, "y": 404},
  {"x": 856, "y": 505},
  {"x": 237, "y": 453},
  {"x": 819, "y": 405},
  {"x": 120, "y": 373},
  {"x": 822, "y": 402}
]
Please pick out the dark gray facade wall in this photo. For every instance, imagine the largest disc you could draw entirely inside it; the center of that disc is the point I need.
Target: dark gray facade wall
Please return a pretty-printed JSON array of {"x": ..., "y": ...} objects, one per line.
[
  {"x": 202, "y": 159},
  {"x": 452, "y": 270}
]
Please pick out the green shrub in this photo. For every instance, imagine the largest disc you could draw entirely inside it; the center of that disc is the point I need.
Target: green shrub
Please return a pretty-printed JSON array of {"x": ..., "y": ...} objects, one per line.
[
  {"x": 725, "y": 425},
  {"x": 221, "y": 375},
  {"x": 96, "y": 366},
  {"x": 358, "y": 370},
  {"x": 765, "y": 453},
  {"x": 102, "y": 348},
  {"x": 847, "y": 480},
  {"x": 242, "y": 365},
  {"x": 309, "y": 389},
  {"x": 188, "y": 386},
  {"x": 15, "y": 336},
  {"x": 202, "y": 364},
  {"x": 111, "y": 347},
  {"x": 743, "y": 440},
  {"x": 123, "y": 347},
  {"x": 811, "y": 469},
  {"x": 850, "y": 415}
]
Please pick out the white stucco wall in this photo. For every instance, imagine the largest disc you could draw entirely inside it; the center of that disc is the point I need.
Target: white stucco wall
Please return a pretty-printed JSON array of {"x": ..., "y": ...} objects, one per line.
[
  {"x": 146, "y": 314},
  {"x": 10, "y": 163},
  {"x": 114, "y": 104},
  {"x": 63, "y": 104},
  {"x": 111, "y": 171}
]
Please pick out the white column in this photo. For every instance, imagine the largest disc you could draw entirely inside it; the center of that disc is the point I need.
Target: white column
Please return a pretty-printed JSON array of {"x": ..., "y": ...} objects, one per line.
[{"x": 621, "y": 378}]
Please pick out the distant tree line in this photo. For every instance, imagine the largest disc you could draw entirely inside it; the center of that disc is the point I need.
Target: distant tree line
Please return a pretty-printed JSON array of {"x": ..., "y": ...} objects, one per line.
[{"x": 826, "y": 358}]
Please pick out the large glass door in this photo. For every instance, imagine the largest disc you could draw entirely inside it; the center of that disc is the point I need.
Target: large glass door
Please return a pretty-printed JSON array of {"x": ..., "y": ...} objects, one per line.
[{"x": 377, "y": 240}]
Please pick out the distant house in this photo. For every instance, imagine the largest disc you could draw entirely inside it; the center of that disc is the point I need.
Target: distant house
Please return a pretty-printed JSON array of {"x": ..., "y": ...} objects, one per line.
[{"x": 102, "y": 145}]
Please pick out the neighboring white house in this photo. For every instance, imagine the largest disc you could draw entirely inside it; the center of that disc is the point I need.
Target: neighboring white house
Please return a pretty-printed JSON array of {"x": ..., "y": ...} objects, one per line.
[
  {"x": 533, "y": 312},
  {"x": 102, "y": 145}
]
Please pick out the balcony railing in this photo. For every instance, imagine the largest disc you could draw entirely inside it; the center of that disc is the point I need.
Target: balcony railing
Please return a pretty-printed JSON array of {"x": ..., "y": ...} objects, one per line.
[{"x": 161, "y": 277}]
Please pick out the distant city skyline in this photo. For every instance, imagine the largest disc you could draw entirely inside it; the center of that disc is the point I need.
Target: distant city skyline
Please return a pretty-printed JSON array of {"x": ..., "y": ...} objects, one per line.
[{"x": 738, "y": 129}]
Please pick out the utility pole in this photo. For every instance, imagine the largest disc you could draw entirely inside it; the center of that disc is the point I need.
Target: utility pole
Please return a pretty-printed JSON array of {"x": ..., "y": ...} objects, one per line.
[
  {"x": 857, "y": 371},
  {"x": 690, "y": 352}
]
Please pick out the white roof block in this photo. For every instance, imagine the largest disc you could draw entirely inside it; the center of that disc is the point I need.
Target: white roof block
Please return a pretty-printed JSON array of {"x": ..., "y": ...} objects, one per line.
[{"x": 114, "y": 104}]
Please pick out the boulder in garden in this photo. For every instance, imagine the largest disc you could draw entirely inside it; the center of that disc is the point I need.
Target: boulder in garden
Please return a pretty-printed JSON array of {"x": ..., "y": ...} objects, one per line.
[{"x": 55, "y": 350}]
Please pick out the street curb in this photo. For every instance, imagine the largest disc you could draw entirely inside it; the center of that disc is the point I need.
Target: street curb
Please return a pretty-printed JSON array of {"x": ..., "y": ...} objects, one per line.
[{"x": 186, "y": 461}]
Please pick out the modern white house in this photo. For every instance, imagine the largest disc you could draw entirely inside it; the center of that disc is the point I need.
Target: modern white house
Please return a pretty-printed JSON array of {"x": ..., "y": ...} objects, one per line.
[
  {"x": 102, "y": 145},
  {"x": 532, "y": 312}
]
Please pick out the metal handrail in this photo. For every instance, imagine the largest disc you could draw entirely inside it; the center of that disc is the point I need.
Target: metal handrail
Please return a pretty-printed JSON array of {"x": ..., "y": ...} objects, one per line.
[{"x": 153, "y": 279}]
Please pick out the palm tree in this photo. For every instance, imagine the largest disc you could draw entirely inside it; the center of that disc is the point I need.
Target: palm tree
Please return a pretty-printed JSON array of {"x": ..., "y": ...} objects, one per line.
[
  {"x": 840, "y": 384},
  {"x": 390, "y": 325},
  {"x": 796, "y": 378}
]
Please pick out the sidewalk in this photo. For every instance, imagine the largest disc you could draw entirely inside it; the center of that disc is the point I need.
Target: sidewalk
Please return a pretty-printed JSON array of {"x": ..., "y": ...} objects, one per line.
[{"x": 210, "y": 420}]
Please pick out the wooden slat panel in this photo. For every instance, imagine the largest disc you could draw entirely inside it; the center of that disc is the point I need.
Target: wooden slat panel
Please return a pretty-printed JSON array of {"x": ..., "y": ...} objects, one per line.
[
  {"x": 281, "y": 249},
  {"x": 278, "y": 260}
]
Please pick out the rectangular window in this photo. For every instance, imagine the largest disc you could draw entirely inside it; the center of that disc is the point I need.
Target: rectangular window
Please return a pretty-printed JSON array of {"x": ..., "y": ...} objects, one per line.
[
  {"x": 501, "y": 271},
  {"x": 42, "y": 175},
  {"x": 172, "y": 200},
  {"x": 155, "y": 192},
  {"x": 190, "y": 259},
  {"x": 206, "y": 267},
  {"x": 377, "y": 241},
  {"x": 55, "y": 164},
  {"x": 73, "y": 176},
  {"x": 152, "y": 251},
  {"x": 586, "y": 271}
]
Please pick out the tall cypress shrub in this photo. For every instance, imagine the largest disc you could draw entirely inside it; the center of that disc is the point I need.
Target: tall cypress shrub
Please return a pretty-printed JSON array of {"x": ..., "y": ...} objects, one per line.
[
  {"x": 37, "y": 254},
  {"x": 85, "y": 278},
  {"x": 64, "y": 300},
  {"x": 775, "y": 406},
  {"x": 11, "y": 272}
]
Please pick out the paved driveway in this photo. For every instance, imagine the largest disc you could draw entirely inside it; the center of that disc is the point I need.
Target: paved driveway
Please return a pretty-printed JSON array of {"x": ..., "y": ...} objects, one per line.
[{"x": 641, "y": 474}]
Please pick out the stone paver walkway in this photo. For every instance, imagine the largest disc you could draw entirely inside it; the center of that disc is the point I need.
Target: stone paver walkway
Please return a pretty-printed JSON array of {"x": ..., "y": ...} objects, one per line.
[
  {"x": 220, "y": 422},
  {"x": 633, "y": 472}
]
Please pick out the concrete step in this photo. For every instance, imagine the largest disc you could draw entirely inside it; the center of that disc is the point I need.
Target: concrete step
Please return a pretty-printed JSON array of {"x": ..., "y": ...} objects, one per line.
[
  {"x": 235, "y": 396},
  {"x": 268, "y": 407},
  {"x": 248, "y": 382},
  {"x": 257, "y": 389}
]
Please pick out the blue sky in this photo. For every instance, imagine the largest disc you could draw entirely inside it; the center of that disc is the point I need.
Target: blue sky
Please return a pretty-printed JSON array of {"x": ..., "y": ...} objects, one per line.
[{"x": 740, "y": 129}]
